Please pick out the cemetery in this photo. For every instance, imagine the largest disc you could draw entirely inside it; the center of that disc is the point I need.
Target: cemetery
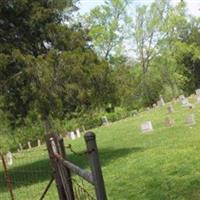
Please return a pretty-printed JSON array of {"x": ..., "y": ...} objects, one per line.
[
  {"x": 100, "y": 100},
  {"x": 141, "y": 151}
]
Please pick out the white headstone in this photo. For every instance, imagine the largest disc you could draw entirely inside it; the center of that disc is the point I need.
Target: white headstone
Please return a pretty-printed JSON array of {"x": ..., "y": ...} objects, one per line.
[
  {"x": 184, "y": 101},
  {"x": 78, "y": 133},
  {"x": 162, "y": 102},
  {"x": 198, "y": 92},
  {"x": 104, "y": 120},
  {"x": 20, "y": 147},
  {"x": 159, "y": 104},
  {"x": 190, "y": 120},
  {"x": 72, "y": 135},
  {"x": 146, "y": 127},
  {"x": 9, "y": 158},
  {"x": 198, "y": 99},
  {"x": 170, "y": 109},
  {"x": 29, "y": 145},
  {"x": 39, "y": 142}
]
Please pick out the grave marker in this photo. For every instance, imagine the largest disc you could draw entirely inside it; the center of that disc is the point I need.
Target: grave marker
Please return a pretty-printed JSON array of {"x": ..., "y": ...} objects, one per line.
[
  {"x": 162, "y": 102},
  {"x": 78, "y": 134},
  {"x": 72, "y": 135},
  {"x": 146, "y": 127},
  {"x": 198, "y": 99},
  {"x": 133, "y": 113},
  {"x": 29, "y": 145},
  {"x": 184, "y": 101},
  {"x": 9, "y": 158},
  {"x": 104, "y": 121},
  {"x": 170, "y": 109},
  {"x": 168, "y": 122},
  {"x": 198, "y": 92},
  {"x": 39, "y": 142},
  {"x": 190, "y": 120},
  {"x": 20, "y": 147}
]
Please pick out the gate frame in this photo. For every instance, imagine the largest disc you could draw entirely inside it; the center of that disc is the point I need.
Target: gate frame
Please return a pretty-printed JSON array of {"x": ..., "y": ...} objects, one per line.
[{"x": 62, "y": 167}]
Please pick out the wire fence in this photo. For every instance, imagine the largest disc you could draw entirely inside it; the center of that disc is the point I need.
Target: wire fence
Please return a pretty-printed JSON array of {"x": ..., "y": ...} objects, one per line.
[{"x": 27, "y": 176}]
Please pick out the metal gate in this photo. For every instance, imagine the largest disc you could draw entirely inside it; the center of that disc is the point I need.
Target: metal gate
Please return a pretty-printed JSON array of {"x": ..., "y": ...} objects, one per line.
[{"x": 65, "y": 172}]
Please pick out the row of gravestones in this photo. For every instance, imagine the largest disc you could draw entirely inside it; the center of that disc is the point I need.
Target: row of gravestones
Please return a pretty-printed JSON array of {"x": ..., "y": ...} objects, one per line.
[
  {"x": 148, "y": 127},
  {"x": 29, "y": 145},
  {"x": 184, "y": 101},
  {"x": 168, "y": 122},
  {"x": 190, "y": 119}
]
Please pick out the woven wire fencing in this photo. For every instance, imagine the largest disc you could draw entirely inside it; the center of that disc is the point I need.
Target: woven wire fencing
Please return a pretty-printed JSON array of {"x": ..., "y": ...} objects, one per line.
[
  {"x": 82, "y": 189},
  {"x": 28, "y": 176}
]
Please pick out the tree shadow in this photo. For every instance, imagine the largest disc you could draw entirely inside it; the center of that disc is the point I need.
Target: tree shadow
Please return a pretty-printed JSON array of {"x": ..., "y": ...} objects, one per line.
[{"x": 40, "y": 170}]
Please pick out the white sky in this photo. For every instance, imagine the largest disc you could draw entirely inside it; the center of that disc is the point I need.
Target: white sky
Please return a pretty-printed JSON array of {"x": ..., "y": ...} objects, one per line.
[{"x": 192, "y": 5}]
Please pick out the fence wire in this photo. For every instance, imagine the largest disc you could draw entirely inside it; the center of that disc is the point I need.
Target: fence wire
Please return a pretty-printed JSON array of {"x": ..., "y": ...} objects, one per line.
[
  {"x": 30, "y": 175},
  {"x": 82, "y": 189}
]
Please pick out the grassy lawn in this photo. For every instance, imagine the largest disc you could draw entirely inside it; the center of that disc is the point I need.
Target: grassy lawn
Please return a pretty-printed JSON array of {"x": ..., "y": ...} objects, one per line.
[{"x": 163, "y": 165}]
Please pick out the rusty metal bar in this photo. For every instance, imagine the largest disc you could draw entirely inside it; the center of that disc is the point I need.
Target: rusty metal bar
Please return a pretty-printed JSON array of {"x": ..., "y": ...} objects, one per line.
[
  {"x": 65, "y": 172},
  {"x": 7, "y": 177},
  {"x": 47, "y": 188},
  {"x": 77, "y": 170}
]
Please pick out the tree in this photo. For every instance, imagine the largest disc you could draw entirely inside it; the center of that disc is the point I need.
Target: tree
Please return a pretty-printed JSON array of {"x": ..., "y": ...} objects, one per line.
[
  {"x": 46, "y": 66},
  {"x": 156, "y": 30},
  {"x": 107, "y": 27},
  {"x": 188, "y": 55}
]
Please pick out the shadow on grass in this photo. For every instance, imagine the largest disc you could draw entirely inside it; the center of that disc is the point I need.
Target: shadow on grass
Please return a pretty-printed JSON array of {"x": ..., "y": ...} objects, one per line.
[{"x": 40, "y": 171}]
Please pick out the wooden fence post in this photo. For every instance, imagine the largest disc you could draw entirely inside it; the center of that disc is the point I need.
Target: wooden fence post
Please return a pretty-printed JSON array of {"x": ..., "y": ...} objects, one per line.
[{"x": 90, "y": 140}]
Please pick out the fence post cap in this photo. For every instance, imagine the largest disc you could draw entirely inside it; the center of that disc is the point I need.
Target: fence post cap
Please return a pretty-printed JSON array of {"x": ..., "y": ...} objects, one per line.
[{"x": 89, "y": 136}]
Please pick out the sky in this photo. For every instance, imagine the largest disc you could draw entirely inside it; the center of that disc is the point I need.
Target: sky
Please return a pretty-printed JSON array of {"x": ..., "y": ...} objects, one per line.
[{"x": 193, "y": 6}]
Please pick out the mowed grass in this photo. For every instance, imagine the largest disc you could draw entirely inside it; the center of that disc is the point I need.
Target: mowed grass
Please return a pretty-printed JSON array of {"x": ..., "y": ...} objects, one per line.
[{"x": 162, "y": 165}]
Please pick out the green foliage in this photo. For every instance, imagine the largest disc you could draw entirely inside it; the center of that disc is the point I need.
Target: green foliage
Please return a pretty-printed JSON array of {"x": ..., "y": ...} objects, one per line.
[
  {"x": 47, "y": 67},
  {"x": 107, "y": 27}
]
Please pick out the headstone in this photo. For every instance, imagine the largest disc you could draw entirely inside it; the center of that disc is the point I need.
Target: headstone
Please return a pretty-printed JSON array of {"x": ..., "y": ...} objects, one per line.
[
  {"x": 159, "y": 104},
  {"x": 168, "y": 122},
  {"x": 190, "y": 120},
  {"x": 198, "y": 92},
  {"x": 9, "y": 158},
  {"x": 78, "y": 134},
  {"x": 198, "y": 99},
  {"x": 39, "y": 142},
  {"x": 181, "y": 97},
  {"x": 147, "y": 109},
  {"x": 104, "y": 121},
  {"x": 170, "y": 109},
  {"x": 133, "y": 113},
  {"x": 29, "y": 145},
  {"x": 20, "y": 147},
  {"x": 184, "y": 101},
  {"x": 162, "y": 102},
  {"x": 72, "y": 135},
  {"x": 146, "y": 127},
  {"x": 190, "y": 106}
]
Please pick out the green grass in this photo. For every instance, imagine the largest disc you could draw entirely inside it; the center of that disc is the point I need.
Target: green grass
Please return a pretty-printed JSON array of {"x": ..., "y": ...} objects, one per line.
[{"x": 163, "y": 165}]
